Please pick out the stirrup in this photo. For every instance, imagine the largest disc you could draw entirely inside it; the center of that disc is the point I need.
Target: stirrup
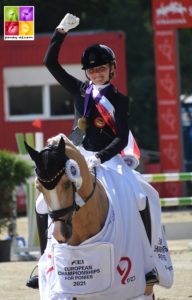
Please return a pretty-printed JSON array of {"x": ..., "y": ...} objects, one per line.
[{"x": 33, "y": 281}]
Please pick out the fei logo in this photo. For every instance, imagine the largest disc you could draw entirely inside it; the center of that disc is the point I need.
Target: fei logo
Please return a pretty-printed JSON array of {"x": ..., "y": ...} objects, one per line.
[{"x": 19, "y": 23}]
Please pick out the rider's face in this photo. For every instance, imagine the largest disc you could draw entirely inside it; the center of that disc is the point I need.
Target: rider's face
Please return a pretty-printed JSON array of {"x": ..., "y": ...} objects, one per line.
[{"x": 99, "y": 75}]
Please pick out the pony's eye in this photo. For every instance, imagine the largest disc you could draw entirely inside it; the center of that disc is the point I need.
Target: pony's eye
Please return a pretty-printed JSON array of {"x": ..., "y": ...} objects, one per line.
[{"x": 67, "y": 184}]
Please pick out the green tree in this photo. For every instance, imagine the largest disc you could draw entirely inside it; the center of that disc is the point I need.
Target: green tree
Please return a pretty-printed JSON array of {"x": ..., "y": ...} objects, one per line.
[{"x": 13, "y": 171}]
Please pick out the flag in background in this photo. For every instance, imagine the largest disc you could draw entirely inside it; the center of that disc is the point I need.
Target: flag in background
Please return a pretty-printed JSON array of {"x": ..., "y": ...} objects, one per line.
[{"x": 37, "y": 123}]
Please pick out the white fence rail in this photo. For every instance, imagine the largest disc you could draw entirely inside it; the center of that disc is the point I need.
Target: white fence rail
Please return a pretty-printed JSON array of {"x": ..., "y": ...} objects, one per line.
[
  {"x": 171, "y": 177},
  {"x": 32, "y": 243}
]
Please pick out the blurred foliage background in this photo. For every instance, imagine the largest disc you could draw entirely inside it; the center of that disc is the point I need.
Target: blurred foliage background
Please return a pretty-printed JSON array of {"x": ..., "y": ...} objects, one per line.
[{"x": 134, "y": 18}]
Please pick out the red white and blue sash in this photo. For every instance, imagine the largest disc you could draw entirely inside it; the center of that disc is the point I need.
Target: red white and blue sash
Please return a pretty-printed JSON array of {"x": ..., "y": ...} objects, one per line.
[
  {"x": 107, "y": 111},
  {"x": 103, "y": 105}
]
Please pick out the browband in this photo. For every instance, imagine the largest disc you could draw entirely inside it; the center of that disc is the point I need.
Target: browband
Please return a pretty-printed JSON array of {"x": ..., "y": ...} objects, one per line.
[{"x": 53, "y": 178}]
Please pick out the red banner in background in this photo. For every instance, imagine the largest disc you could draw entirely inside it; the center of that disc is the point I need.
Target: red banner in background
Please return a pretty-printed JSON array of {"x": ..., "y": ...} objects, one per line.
[
  {"x": 168, "y": 104},
  {"x": 172, "y": 14}
]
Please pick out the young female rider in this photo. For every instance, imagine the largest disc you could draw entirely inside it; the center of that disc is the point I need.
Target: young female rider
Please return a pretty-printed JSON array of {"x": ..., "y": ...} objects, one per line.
[
  {"x": 105, "y": 137},
  {"x": 101, "y": 111}
]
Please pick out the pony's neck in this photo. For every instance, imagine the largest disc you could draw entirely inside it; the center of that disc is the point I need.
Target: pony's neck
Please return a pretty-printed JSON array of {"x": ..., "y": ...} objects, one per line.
[
  {"x": 87, "y": 177},
  {"x": 90, "y": 219}
]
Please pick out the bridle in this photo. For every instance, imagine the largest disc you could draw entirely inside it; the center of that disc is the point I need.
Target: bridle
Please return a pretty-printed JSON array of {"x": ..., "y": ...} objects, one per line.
[
  {"x": 44, "y": 161},
  {"x": 57, "y": 215}
]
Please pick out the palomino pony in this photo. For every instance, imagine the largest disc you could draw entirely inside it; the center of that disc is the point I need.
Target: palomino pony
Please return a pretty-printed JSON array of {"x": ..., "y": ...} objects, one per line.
[{"x": 98, "y": 248}]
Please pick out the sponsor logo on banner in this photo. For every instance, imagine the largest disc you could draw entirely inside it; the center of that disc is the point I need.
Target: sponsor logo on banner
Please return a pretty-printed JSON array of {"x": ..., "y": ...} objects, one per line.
[
  {"x": 171, "y": 153},
  {"x": 166, "y": 49},
  {"x": 167, "y": 83},
  {"x": 172, "y": 14},
  {"x": 168, "y": 107},
  {"x": 169, "y": 118},
  {"x": 19, "y": 23}
]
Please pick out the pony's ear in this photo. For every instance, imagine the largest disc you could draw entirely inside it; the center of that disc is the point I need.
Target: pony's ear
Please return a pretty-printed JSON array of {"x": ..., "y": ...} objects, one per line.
[
  {"x": 61, "y": 145},
  {"x": 32, "y": 152}
]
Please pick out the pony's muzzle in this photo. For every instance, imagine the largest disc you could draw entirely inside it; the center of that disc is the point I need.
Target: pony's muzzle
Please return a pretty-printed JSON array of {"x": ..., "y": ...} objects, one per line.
[{"x": 62, "y": 230}]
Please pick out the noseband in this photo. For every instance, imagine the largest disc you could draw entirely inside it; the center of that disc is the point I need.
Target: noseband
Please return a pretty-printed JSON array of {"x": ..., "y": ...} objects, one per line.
[{"x": 56, "y": 215}]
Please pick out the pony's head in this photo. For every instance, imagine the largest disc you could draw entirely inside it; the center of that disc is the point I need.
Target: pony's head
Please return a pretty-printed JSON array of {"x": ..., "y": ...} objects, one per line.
[
  {"x": 58, "y": 177},
  {"x": 62, "y": 173},
  {"x": 58, "y": 167},
  {"x": 50, "y": 163}
]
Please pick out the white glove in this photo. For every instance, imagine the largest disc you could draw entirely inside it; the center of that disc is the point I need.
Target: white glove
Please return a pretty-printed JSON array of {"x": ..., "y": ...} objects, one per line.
[
  {"x": 68, "y": 22},
  {"x": 93, "y": 161}
]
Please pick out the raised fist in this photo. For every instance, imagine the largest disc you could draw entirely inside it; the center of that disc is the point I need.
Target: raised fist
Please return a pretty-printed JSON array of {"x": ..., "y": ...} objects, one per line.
[{"x": 68, "y": 22}]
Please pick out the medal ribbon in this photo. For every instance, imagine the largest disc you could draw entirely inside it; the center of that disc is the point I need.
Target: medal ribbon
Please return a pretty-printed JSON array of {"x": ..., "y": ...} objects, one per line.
[
  {"x": 86, "y": 102},
  {"x": 103, "y": 105}
]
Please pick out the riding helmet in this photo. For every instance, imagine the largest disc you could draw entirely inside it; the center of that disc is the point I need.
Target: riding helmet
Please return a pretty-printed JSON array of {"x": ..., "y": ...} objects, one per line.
[{"x": 97, "y": 55}]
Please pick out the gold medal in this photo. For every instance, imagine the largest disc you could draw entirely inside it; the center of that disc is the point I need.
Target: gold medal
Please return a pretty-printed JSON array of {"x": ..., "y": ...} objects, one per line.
[{"x": 82, "y": 123}]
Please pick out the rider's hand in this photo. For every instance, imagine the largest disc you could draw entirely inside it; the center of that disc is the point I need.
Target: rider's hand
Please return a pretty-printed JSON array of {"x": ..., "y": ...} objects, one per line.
[
  {"x": 68, "y": 22},
  {"x": 93, "y": 162}
]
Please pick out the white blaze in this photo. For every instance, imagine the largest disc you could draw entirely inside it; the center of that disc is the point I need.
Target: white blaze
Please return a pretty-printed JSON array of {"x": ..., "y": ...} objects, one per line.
[{"x": 54, "y": 200}]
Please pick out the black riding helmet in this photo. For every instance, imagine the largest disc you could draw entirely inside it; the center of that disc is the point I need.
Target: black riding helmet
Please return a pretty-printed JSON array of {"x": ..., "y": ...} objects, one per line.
[{"x": 97, "y": 55}]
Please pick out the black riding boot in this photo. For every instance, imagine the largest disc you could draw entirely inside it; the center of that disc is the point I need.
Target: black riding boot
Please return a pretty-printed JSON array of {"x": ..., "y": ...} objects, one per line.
[
  {"x": 151, "y": 277},
  {"x": 146, "y": 218},
  {"x": 42, "y": 223}
]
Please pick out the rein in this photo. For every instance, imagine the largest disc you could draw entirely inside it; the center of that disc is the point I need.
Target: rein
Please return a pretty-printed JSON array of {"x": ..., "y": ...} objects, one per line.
[{"x": 56, "y": 215}]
